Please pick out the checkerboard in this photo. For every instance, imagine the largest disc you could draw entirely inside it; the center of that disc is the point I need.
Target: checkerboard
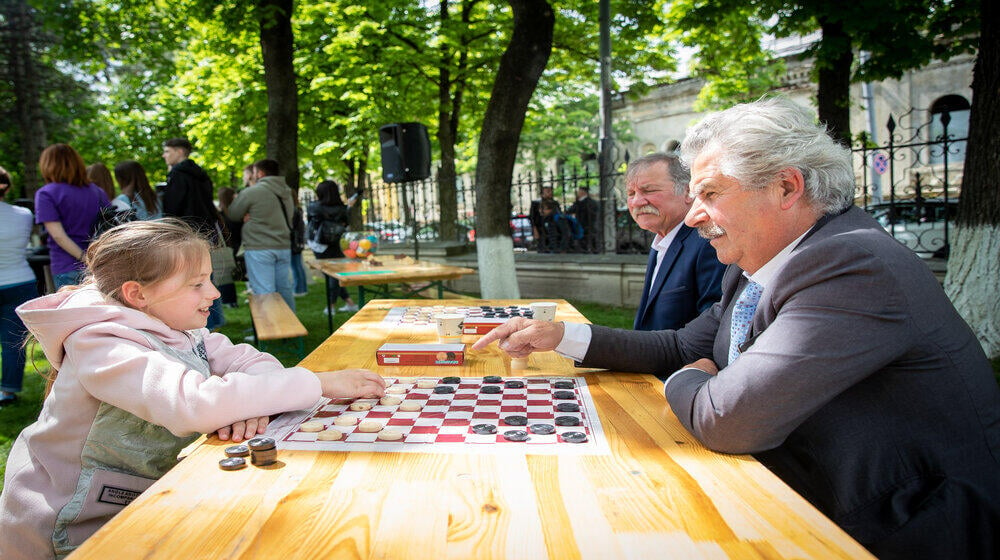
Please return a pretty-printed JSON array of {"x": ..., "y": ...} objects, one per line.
[
  {"x": 478, "y": 319},
  {"x": 445, "y": 422}
]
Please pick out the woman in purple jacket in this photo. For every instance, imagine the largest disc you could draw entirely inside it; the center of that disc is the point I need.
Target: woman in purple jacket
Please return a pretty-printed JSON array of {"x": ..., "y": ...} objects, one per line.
[{"x": 68, "y": 206}]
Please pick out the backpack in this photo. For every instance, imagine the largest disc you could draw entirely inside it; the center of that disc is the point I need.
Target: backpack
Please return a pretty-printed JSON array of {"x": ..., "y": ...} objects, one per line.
[
  {"x": 325, "y": 232},
  {"x": 109, "y": 217},
  {"x": 576, "y": 230}
]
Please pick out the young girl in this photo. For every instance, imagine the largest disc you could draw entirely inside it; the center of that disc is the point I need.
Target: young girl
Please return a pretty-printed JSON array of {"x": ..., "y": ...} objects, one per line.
[
  {"x": 137, "y": 194},
  {"x": 139, "y": 377}
]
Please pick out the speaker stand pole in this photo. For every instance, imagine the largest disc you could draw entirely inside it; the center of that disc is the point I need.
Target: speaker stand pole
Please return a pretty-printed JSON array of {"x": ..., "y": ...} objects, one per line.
[{"x": 412, "y": 220}]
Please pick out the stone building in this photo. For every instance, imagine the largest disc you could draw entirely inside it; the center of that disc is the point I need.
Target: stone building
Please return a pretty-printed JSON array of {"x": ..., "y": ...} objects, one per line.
[{"x": 915, "y": 101}]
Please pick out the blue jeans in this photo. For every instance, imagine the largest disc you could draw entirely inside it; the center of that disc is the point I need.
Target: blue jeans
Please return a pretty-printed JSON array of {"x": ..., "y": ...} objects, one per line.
[
  {"x": 12, "y": 333},
  {"x": 299, "y": 274},
  {"x": 72, "y": 278},
  {"x": 270, "y": 270}
]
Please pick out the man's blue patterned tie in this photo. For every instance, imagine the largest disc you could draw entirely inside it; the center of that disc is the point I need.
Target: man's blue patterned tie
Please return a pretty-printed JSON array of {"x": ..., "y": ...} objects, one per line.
[{"x": 746, "y": 304}]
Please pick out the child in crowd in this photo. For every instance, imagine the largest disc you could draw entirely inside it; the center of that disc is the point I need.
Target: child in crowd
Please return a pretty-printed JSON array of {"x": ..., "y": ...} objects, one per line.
[
  {"x": 557, "y": 230},
  {"x": 139, "y": 377}
]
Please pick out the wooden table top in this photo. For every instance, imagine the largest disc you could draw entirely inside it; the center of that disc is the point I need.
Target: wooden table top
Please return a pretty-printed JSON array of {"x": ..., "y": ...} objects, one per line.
[
  {"x": 658, "y": 493},
  {"x": 387, "y": 269}
]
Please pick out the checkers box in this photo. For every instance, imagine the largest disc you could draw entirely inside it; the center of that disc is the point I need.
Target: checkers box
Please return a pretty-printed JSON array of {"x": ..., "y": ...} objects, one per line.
[{"x": 420, "y": 354}]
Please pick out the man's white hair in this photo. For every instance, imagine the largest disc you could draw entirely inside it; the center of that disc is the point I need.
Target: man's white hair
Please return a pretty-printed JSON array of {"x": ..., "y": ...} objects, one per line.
[{"x": 757, "y": 140}]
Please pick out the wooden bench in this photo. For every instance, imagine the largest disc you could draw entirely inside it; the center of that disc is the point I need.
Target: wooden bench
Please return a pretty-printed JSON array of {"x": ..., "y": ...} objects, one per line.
[{"x": 273, "y": 320}]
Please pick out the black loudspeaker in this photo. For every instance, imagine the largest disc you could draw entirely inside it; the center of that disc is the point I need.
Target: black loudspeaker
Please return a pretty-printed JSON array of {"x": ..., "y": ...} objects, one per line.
[{"x": 406, "y": 152}]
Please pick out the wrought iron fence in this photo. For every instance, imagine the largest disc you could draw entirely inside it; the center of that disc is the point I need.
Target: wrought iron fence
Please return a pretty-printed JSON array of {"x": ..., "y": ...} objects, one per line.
[
  {"x": 911, "y": 183},
  {"x": 384, "y": 212}
]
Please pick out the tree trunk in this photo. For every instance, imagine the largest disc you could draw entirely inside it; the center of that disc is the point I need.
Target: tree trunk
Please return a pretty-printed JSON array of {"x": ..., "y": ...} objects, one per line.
[
  {"x": 277, "y": 47},
  {"x": 446, "y": 177},
  {"x": 521, "y": 66},
  {"x": 17, "y": 33},
  {"x": 449, "y": 110},
  {"x": 973, "y": 278},
  {"x": 833, "y": 95}
]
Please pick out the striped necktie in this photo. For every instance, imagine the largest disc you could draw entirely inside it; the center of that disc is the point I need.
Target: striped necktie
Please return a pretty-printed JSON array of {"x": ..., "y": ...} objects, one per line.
[{"x": 746, "y": 304}]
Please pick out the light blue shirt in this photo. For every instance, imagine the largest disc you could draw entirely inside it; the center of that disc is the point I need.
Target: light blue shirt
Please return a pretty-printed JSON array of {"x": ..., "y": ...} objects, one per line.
[{"x": 122, "y": 202}]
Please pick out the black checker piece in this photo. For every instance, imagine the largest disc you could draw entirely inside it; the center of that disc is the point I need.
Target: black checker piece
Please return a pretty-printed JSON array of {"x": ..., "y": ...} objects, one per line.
[
  {"x": 232, "y": 463},
  {"x": 515, "y": 420},
  {"x": 514, "y": 384},
  {"x": 567, "y": 421},
  {"x": 451, "y": 380},
  {"x": 492, "y": 379},
  {"x": 515, "y": 435},
  {"x": 443, "y": 389},
  {"x": 563, "y": 385},
  {"x": 563, "y": 395},
  {"x": 574, "y": 437},
  {"x": 491, "y": 389},
  {"x": 484, "y": 429},
  {"x": 542, "y": 429},
  {"x": 568, "y": 407}
]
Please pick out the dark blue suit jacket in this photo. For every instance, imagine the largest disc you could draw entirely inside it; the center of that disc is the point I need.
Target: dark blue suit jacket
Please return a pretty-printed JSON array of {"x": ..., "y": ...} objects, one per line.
[{"x": 689, "y": 282}]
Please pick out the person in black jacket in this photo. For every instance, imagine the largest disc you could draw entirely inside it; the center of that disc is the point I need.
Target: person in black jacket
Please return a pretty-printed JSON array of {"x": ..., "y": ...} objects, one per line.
[
  {"x": 329, "y": 209},
  {"x": 588, "y": 213},
  {"x": 556, "y": 227},
  {"x": 188, "y": 195},
  {"x": 189, "y": 190},
  {"x": 537, "y": 220}
]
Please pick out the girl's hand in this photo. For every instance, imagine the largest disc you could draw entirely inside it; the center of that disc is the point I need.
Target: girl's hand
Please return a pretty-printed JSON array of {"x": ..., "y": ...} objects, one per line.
[
  {"x": 244, "y": 429},
  {"x": 351, "y": 383}
]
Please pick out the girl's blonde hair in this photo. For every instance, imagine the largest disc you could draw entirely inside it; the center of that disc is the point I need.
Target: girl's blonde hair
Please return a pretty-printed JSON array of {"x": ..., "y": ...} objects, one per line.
[{"x": 146, "y": 252}]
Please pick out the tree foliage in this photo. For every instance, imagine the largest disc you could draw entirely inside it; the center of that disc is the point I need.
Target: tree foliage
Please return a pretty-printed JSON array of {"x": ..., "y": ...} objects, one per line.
[
  {"x": 897, "y": 35},
  {"x": 120, "y": 76}
]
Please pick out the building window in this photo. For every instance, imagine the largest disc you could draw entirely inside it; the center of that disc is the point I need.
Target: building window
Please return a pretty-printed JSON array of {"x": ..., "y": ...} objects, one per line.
[{"x": 957, "y": 109}]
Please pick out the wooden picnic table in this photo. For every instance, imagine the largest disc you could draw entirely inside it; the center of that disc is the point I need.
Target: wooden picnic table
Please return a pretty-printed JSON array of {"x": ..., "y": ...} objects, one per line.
[
  {"x": 375, "y": 275},
  {"x": 654, "y": 492}
]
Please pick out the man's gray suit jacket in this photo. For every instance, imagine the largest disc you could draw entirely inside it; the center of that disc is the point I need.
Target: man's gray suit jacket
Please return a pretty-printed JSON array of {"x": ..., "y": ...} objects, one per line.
[{"x": 861, "y": 387}]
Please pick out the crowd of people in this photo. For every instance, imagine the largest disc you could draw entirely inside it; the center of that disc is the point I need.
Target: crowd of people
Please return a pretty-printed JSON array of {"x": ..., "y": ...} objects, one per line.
[
  {"x": 257, "y": 233},
  {"x": 785, "y": 322}
]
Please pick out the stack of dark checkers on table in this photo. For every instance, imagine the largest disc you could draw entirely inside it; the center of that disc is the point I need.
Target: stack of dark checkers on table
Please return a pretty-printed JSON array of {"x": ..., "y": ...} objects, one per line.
[
  {"x": 448, "y": 414},
  {"x": 479, "y": 319}
]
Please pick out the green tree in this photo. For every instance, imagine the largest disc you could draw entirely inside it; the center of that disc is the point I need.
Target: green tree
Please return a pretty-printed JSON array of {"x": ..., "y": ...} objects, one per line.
[
  {"x": 521, "y": 67},
  {"x": 897, "y": 35}
]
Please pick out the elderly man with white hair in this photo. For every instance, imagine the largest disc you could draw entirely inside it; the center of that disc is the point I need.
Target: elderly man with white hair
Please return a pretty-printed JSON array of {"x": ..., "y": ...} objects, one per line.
[{"x": 834, "y": 356}]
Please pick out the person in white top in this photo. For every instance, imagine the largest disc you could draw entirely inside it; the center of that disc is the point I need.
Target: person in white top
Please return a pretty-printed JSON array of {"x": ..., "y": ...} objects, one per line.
[
  {"x": 17, "y": 285},
  {"x": 139, "y": 378}
]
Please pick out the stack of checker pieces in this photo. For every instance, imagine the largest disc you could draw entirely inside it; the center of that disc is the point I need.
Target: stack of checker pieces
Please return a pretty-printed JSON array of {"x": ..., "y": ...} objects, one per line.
[{"x": 456, "y": 411}]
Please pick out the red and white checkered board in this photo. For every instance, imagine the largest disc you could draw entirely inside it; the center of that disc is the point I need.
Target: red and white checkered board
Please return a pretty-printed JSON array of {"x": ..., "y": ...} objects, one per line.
[
  {"x": 444, "y": 424},
  {"x": 424, "y": 315}
]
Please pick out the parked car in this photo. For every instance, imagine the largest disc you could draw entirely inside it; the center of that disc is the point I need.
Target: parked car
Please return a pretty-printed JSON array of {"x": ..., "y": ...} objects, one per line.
[
  {"x": 920, "y": 225},
  {"x": 431, "y": 232},
  {"x": 520, "y": 230},
  {"x": 389, "y": 231}
]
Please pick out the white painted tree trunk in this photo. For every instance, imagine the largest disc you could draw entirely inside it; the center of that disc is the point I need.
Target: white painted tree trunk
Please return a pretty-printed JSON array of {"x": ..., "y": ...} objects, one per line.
[
  {"x": 973, "y": 282},
  {"x": 497, "y": 274}
]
